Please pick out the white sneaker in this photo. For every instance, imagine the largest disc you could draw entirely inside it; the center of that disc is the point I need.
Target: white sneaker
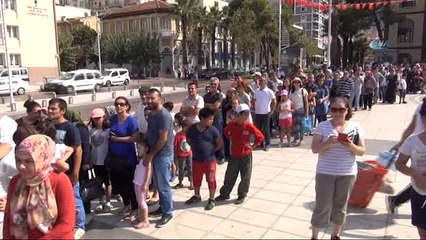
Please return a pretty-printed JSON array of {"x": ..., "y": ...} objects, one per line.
[
  {"x": 99, "y": 209},
  {"x": 78, "y": 233},
  {"x": 107, "y": 207}
]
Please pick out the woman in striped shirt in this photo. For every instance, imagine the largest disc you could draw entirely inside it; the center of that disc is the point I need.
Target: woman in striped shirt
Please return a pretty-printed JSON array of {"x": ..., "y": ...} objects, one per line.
[{"x": 337, "y": 141}]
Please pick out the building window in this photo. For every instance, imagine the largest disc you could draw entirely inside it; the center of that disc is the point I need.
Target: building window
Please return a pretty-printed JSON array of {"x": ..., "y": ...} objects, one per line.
[
  {"x": 13, "y": 32},
  {"x": 406, "y": 31},
  {"x": 126, "y": 26},
  {"x": 154, "y": 24},
  {"x": 408, "y": 3},
  {"x": 10, "y": 4},
  {"x": 144, "y": 24},
  {"x": 302, "y": 9},
  {"x": 2, "y": 59},
  {"x": 119, "y": 27},
  {"x": 15, "y": 59},
  {"x": 165, "y": 23},
  {"x": 133, "y": 26},
  {"x": 105, "y": 29},
  {"x": 404, "y": 58}
]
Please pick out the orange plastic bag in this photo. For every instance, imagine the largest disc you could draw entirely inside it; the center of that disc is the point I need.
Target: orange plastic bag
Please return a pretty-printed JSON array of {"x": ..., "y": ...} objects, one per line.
[{"x": 367, "y": 183}]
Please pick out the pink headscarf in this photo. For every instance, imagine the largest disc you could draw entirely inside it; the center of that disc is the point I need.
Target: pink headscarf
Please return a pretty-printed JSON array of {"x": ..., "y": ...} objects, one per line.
[{"x": 33, "y": 203}]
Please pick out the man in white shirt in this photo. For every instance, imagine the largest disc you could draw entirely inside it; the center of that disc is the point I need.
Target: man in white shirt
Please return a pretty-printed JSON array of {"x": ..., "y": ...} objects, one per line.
[
  {"x": 192, "y": 104},
  {"x": 140, "y": 111},
  {"x": 264, "y": 106}
]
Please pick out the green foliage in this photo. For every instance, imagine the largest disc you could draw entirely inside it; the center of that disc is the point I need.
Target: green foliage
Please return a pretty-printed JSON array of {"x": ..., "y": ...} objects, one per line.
[
  {"x": 83, "y": 39},
  {"x": 245, "y": 37},
  {"x": 144, "y": 50},
  {"x": 67, "y": 54},
  {"x": 116, "y": 48}
]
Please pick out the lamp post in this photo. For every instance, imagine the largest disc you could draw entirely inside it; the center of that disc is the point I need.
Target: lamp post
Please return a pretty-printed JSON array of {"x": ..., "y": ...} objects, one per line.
[
  {"x": 7, "y": 57},
  {"x": 329, "y": 33},
  {"x": 98, "y": 29}
]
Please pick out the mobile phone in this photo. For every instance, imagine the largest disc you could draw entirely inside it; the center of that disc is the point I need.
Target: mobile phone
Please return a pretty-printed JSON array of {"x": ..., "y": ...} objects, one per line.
[
  {"x": 342, "y": 137},
  {"x": 113, "y": 134}
]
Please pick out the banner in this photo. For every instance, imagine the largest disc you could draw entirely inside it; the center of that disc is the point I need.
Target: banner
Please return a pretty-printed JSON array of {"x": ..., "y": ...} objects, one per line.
[{"x": 357, "y": 6}]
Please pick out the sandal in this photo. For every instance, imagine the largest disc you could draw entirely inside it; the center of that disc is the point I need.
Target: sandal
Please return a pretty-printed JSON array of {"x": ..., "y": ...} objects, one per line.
[
  {"x": 141, "y": 225},
  {"x": 152, "y": 202}
]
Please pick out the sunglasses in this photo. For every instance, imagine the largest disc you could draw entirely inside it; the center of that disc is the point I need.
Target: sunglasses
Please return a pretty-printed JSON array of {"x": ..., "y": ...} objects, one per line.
[
  {"x": 120, "y": 104},
  {"x": 340, "y": 110}
]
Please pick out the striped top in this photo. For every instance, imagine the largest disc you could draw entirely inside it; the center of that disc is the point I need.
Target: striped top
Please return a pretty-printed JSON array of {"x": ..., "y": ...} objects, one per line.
[
  {"x": 337, "y": 160},
  {"x": 345, "y": 87}
]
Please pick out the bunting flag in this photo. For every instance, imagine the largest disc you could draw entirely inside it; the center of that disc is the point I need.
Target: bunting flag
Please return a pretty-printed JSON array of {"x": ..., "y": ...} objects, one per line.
[{"x": 357, "y": 6}]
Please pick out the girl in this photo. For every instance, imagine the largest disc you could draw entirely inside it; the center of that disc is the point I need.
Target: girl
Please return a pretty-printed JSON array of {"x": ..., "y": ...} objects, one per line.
[
  {"x": 414, "y": 148},
  {"x": 183, "y": 154},
  {"x": 299, "y": 97},
  {"x": 321, "y": 107},
  {"x": 99, "y": 134},
  {"x": 141, "y": 182},
  {"x": 402, "y": 88},
  {"x": 285, "y": 117}
]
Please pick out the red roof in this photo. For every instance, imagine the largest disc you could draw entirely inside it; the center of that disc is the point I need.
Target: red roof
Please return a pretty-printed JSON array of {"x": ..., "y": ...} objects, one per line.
[{"x": 138, "y": 9}]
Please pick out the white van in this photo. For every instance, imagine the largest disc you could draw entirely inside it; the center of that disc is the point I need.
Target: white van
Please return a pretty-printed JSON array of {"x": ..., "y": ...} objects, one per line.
[
  {"x": 78, "y": 80},
  {"x": 17, "y": 72},
  {"x": 19, "y": 86},
  {"x": 116, "y": 76}
]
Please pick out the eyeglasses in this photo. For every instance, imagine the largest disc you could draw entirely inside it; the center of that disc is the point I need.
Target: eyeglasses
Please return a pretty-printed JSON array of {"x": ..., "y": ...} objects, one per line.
[
  {"x": 340, "y": 110},
  {"x": 120, "y": 104}
]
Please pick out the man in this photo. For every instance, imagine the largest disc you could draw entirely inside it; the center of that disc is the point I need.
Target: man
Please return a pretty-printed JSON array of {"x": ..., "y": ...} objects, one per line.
[
  {"x": 346, "y": 84},
  {"x": 213, "y": 100},
  {"x": 239, "y": 132},
  {"x": 192, "y": 104},
  {"x": 255, "y": 84},
  {"x": 68, "y": 134},
  {"x": 160, "y": 141},
  {"x": 381, "y": 85},
  {"x": 140, "y": 111},
  {"x": 264, "y": 106},
  {"x": 274, "y": 83}
]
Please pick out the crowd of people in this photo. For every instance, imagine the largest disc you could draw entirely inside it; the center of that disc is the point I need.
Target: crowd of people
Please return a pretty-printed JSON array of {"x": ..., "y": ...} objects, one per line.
[{"x": 137, "y": 156}]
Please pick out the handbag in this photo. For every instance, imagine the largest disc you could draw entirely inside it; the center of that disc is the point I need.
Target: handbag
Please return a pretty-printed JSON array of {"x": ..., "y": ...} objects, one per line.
[
  {"x": 91, "y": 188},
  {"x": 116, "y": 162}
]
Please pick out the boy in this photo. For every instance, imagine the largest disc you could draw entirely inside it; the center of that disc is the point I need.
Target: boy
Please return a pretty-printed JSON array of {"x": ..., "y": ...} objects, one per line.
[
  {"x": 205, "y": 140},
  {"x": 239, "y": 133},
  {"x": 183, "y": 154}
]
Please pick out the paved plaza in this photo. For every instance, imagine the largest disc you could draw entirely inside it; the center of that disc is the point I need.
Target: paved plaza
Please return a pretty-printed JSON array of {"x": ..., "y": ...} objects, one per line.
[{"x": 281, "y": 198}]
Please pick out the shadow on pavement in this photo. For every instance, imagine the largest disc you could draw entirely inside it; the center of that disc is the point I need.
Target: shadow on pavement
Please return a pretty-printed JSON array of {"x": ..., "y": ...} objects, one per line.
[{"x": 101, "y": 230}]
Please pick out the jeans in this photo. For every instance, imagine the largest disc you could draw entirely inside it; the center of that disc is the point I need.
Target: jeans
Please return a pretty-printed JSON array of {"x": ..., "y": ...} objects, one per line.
[
  {"x": 218, "y": 124},
  {"x": 243, "y": 166},
  {"x": 382, "y": 93},
  {"x": 80, "y": 219},
  {"x": 262, "y": 123},
  {"x": 402, "y": 93},
  {"x": 162, "y": 171},
  {"x": 357, "y": 96}
]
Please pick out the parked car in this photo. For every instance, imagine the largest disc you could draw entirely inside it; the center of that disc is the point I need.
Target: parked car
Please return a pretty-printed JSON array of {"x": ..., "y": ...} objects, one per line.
[
  {"x": 19, "y": 86},
  {"x": 116, "y": 76},
  {"x": 220, "y": 73},
  {"x": 17, "y": 72},
  {"x": 78, "y": 80}
]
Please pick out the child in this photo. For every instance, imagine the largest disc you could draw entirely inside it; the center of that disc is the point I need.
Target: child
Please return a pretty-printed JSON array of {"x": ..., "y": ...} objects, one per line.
[
  {"x": 285, "y": 117},
  {"x": 99, "y": 135},
  {"x": 141, "y": 181},
  {"x": 183, "y": 154},
  {"x": 232, "y": 114},
  {"x": 402, "y": 88},
  {"x": 239, "y": 132},
  {"x": 205, "y": 141}
]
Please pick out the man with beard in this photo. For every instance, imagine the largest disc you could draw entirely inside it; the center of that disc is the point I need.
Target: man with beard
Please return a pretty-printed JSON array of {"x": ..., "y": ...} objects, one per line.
[
  {"x": 160, "y": 142},
  {"x": 192, "y": 104}
]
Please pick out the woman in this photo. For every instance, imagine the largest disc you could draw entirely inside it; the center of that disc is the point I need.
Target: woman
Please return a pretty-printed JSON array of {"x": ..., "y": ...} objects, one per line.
[
  {"x": 40, "y": 202},
  {"x": 34, "y": 112},
  {"x": 358, "y": 82},
  {"x": 368, "y": 90},
  {"x": 337, "y": 142},
  {"x": 243, "y": 96},
  {"x": 299, "y": 97},
  {"x": 392, "y": 84},
  {"x": 321, "y": 97},
  {"x": 413, "y": 148},
  {"x": 123, "y": 133}
]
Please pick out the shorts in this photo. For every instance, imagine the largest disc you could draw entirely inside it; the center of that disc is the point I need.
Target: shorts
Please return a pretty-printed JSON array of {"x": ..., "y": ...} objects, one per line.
[
  {"x": 286, "y": 123},
  {"x": 418, "y": 210},
  {"x": 204, "y": 168},
  {"x": 102, "y": 173}
]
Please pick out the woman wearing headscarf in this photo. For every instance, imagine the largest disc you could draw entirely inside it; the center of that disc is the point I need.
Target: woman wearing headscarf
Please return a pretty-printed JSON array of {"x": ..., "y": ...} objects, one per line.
[{"x": 40, "y": 202}]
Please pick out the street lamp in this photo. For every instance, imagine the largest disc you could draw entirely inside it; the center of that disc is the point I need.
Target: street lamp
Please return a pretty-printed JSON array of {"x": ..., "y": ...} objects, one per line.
[
  {"x": 98, "y": 30},
  {"x": 7, "y": 57}
]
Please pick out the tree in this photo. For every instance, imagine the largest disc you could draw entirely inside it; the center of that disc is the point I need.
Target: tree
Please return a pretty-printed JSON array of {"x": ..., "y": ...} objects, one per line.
[
  {"x": 144, "y": 50},
  {"x": 224, "y": 31},
  {"x": 185, "y": 9},
  {"x": 84, "y": 39},
  {"x": 116, "y": 48},
  {"x": 199, "y": 26},
  {"x": 214, "y": 18},
  {"x": 245, "y": 37},
  {"x": 67, "y": 54},
  {"x": 232, "y": 8}
]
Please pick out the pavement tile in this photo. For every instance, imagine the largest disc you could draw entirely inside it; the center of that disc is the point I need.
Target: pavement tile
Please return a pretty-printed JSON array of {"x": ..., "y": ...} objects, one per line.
[
  {"x": 303, "y": 201},
  {"x": 198, "y": 220},
  {"x": 293, "y": 180},
  {"x": 402, "y": 232},
  {"x": 274, "y": 234},
  {"x": 308, "y": 191},
  {"x": 216, "y": 236},
  {"x": 265, "y": 206},
  {"x": 273, "y": 163},
  {"x": 175, "y": 230},
  {"x": 267, "y": 169},
  {"x": 257, "y": 218},
  {"x": 303, "y": 167},
  {"x": 258, "y": 183},
  {"x": 297, "y": 212},
  {"x": 298, "y": 173},
  {"x": 293, "y": 226},
  {"x": 262, "y": 175},
  {"x": 274, "y": 196},
  {"x": 285, "y": 188},
  {"x": 241, "y": 230},
  {"x": 222, "y": 209},
  {"x": 373, "y": 227}
]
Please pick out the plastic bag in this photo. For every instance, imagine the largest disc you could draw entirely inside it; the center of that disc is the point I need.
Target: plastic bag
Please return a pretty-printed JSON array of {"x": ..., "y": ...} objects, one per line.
[
  {"x": 306, "y": 125},
  {"x": 387, "y": 159}
]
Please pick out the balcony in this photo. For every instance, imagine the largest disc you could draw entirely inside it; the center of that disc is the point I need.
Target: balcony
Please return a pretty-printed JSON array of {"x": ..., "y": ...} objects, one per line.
[{"x": 167, "y": 33}]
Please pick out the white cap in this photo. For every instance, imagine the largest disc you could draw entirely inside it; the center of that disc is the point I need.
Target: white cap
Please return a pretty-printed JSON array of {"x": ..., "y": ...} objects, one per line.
[
  {"x": 257, "y": 74},
  {"x": 243, "y": 108}
]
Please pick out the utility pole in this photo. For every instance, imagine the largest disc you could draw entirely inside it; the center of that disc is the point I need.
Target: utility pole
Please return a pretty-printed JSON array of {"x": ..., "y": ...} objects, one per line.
[
  {"x": 329, "y": 33},
  {"x": 7, "y": 57},
  {"x": 98, "y": 28}
]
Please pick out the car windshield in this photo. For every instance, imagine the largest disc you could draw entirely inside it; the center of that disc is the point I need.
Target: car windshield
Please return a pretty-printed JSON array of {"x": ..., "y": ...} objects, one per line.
[
  {"x": 66, "y": 76},
  {"x": 106, "y": 73}
]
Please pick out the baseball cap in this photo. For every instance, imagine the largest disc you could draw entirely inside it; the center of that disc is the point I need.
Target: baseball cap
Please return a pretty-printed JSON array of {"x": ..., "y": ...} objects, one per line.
[
  {"x": 97, "y": 113},
  {"x": 257, "y": 74},
  {"x": 243, "y": 108},
  {"x": 284, "y": 92}
]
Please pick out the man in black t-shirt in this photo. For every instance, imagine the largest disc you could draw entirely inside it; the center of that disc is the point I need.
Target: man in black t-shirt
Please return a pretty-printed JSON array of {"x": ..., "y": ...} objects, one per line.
[{"x": 68, "y": 134}]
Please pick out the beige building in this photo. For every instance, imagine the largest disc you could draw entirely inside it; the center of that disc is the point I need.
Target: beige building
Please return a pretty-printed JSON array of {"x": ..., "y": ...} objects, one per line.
[
  {"x": 66, "y": 25},
  {"x": 407, "y": 39},
  {"x": 31, "y": 37}
]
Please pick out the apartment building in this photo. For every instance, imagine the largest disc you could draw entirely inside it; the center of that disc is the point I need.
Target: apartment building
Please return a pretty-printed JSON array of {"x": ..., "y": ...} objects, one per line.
[
  {"x": 106, "y": 4},
  {"x": 407, "y": 39},
  {"x": 312, "y": 21},
  {"x": 32, "y": 47}
]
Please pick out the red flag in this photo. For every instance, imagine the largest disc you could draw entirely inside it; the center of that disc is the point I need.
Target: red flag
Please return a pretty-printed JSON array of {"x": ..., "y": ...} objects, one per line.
[
  {"x": 371, "y": 6},
  {"x": 345, "y": 7},
  {"x": 358, "y": 6},
  {"x": 364, "y": 5},
  {"x": 378, "y": 4},
  {"x": 338, "y": 6}
]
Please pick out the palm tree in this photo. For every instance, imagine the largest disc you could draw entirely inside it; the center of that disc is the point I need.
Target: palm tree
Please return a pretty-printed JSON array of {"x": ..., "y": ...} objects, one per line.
[
  {"x": 185, "y": 9},
  {"x": 199, "y": 25},
  {"x": 214, "y": 18},
  {"x": 224, "y": 29}
]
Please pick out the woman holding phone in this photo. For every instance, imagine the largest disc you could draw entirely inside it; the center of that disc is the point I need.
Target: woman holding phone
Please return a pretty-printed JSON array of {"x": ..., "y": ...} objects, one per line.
[{"x": 337, "y": 141}]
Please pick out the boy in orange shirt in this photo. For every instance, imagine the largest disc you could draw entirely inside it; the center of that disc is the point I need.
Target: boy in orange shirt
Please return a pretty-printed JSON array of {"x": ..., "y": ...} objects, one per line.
[{"x": 239, "y": 133}]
